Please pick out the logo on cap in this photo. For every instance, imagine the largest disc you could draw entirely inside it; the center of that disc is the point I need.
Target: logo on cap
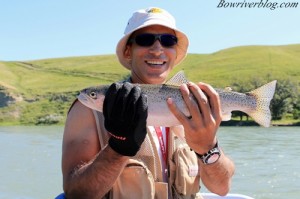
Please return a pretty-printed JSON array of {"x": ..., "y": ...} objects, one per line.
[{"x": 154, "y": 10}]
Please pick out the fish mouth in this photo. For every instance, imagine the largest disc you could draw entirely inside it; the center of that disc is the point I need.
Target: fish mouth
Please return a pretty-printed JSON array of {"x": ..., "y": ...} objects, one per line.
[{"x": 81, "y": 97}]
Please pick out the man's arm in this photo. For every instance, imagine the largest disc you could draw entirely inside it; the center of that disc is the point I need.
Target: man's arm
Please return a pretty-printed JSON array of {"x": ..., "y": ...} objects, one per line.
[
  {"x": 87, "y": 173},
  {"x": 200, "y": 133},
  {"x": 217, "y": 176}
]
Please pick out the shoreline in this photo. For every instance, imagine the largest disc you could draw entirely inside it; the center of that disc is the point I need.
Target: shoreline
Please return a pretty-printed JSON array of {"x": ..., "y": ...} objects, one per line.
[
  {"x": 252, "y": 123},
  {"x": 231, "y": 123}
]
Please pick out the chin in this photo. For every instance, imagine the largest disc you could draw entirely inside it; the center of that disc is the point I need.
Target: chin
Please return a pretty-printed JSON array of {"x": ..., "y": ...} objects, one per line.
[{"x": 157, "y": 79}]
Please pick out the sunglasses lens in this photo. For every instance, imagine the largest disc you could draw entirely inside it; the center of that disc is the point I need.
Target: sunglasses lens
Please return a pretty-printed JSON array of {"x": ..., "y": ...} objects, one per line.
[
  {"x": 166, "y": 40},
  {"x": 145, "y": 39}
]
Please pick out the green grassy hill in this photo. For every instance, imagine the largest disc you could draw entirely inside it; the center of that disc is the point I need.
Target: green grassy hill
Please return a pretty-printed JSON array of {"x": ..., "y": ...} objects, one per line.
[{"x": 40, "y": 91}]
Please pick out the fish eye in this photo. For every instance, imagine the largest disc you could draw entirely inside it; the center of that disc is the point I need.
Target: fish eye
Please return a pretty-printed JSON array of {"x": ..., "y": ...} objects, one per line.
[{"x": 93, "y": 94}]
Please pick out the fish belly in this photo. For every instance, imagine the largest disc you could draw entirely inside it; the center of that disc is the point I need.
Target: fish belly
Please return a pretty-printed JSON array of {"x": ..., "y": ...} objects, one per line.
[{"x": 160, "y": 115}]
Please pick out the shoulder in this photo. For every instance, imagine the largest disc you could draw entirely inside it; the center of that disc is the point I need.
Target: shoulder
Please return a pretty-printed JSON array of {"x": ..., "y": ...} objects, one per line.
[
  {"x": 80, "y": 122},
  {"x": 80, "y": 140},
  {"x": 78, "y": 110}
]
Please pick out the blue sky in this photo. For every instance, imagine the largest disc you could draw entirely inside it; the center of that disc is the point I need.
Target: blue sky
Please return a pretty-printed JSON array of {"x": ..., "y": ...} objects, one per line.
[{"x": 33, "y": 29}]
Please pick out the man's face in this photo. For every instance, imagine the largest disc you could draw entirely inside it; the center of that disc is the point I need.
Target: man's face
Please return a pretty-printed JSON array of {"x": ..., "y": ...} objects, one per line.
[{"x": 151, "y": 64}]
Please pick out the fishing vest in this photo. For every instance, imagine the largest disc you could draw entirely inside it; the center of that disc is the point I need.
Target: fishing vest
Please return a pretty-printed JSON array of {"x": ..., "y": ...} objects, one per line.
[{"x": 142, "y": 176}]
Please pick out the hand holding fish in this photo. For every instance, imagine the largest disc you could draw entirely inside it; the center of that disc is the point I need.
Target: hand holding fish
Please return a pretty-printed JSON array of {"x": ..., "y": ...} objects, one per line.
[
  {"x": 125, "y": 111},
  {"x": 205, "y": 117}
]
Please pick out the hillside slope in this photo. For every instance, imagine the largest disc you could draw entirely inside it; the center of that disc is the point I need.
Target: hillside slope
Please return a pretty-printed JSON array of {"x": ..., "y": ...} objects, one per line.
[{"x": 34, "y": 91}]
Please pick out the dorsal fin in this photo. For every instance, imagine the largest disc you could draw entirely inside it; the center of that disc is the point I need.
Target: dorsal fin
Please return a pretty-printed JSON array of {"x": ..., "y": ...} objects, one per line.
[{"x": 178, "y": 79}]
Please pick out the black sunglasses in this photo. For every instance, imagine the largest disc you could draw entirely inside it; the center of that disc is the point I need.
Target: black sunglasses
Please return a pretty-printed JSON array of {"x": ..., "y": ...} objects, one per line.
[{"x": 148, "y": 39}]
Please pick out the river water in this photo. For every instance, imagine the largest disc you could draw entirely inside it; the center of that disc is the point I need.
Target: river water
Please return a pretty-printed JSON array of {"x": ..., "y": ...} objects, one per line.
[{"x": 267, "y": 161}]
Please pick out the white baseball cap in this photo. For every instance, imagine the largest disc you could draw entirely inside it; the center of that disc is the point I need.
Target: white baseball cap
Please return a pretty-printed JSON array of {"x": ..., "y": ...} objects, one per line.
[{"x": 148, "y": 17}]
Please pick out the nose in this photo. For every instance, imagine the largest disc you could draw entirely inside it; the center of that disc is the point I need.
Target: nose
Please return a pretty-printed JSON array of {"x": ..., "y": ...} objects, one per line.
[{"x": 156, "y": 48}]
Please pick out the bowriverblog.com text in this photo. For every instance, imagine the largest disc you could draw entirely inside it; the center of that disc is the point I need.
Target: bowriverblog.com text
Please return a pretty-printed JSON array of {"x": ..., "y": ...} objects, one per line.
[{"x": 257, "y": 4}]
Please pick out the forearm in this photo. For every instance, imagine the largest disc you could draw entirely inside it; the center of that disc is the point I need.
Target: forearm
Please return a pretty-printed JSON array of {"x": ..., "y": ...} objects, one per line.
[
  {"x": 95, "y": 179},
  {"x": 217, "y": 176}
]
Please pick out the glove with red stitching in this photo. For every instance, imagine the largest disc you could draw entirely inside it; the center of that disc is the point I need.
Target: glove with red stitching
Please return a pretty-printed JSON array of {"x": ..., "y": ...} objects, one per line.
[{"x": 125, "y": 110}]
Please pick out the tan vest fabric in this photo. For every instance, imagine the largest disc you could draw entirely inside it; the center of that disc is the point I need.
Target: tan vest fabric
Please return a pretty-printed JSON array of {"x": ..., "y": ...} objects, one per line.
[{"x": 142, "y": 177}]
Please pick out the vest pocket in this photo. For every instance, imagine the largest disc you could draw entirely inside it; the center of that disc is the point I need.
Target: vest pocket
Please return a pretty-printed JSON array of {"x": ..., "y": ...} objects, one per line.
[
  {"x": 161, "y": 190},
  {"x": 184, "y": 173},
  {"x": 136, "y": 181}
]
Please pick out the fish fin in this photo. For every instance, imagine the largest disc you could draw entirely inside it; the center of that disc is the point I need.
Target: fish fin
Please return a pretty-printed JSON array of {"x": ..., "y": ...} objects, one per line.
[
  {"x": 263, "y": 95},
  {"x": 226, "y": 116},
  {"x": 178, "y": 79}
]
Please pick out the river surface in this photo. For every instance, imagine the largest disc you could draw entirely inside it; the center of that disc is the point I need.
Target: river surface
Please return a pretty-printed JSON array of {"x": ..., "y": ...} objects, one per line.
[{"x": 267, "y": 161}]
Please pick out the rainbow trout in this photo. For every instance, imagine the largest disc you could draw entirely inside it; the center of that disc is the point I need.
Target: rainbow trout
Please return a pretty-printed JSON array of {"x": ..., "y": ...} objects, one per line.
[{"x": 255, "y": 103}]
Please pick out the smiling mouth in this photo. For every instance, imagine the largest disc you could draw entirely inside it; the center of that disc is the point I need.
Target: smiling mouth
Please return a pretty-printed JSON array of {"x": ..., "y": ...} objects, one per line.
[{"x": 155, "y": 63}]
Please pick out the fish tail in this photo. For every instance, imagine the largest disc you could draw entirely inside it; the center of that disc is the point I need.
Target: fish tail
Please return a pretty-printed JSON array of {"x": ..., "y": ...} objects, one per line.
[{"x": 263, "y": 95}]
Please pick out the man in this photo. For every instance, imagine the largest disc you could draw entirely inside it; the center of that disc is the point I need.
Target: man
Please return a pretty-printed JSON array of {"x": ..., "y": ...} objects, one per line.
[{"x": 115, "y": 155}]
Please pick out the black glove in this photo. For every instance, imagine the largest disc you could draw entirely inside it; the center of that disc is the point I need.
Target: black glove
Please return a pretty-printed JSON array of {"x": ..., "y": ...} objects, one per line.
[{"x": 125, "y": 111}]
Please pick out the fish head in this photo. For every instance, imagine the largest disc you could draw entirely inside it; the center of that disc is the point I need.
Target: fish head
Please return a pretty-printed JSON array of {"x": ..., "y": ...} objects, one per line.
[{"x": 93, "y": 97}]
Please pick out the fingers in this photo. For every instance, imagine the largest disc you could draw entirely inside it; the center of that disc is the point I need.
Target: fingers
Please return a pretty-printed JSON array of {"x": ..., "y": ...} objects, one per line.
[
  {"x": 125, "y": 102},
  {"x": 142, "y": 107},
  {"x": 136, "y": 107},
  {"x": 123, "y": 99},
  {"x": 202, "y": 102},
  {"x": 190, "y": 103},
  {"x": 110, "y": 98},
  {"x": 214, "y": 100},
  {"x": 182, "y": 118}
]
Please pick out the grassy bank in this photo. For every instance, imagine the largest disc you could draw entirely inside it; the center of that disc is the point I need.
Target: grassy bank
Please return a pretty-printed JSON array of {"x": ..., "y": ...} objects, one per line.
[{"x": 41, "y": 91}]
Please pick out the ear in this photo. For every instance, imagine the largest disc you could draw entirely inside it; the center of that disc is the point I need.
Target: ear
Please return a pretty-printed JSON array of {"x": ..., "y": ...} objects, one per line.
[{"x": 127, "y": 52}]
